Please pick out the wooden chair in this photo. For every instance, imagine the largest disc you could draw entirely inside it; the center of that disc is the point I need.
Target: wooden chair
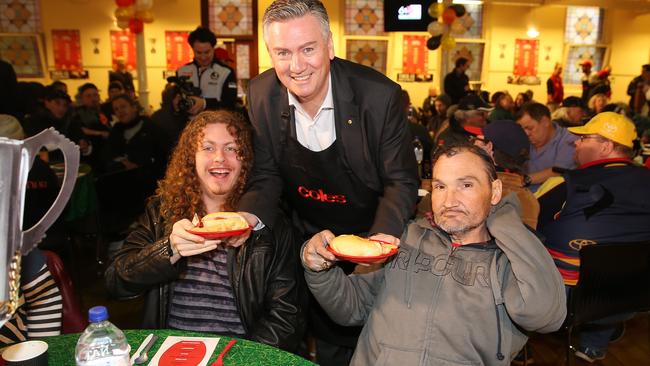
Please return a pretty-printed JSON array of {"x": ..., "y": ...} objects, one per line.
[{"x": 614, "y": 279}]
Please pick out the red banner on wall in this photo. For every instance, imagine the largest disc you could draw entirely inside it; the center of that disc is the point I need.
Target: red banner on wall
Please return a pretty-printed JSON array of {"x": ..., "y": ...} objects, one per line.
[
  {"x": 526, "y": 56},
  {"x": 415, "y": 54},
  {"x": 179, "y": 51},
  {"x": 67, "y": 50},
  {"x": 123, "y": 47}
]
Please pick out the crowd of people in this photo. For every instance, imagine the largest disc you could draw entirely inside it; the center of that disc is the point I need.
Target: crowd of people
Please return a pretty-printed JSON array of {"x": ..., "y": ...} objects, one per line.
[{"x": 487, "y": 256}]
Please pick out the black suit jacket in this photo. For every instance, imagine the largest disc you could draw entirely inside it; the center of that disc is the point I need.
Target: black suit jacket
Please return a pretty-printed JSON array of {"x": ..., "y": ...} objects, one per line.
[{"x": 375, "y": 142}]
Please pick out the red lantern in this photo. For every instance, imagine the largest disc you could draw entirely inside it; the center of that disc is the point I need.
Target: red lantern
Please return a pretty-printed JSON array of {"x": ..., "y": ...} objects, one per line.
[
  {"x": 448, "y": 16},
  {"x": 135, "y": 25},
  {"x": 124, "y": 2}
]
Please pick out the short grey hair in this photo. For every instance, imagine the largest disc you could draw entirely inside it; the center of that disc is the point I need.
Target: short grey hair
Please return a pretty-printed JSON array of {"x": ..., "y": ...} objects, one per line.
[
  {"x": 461, "y": 115},
  {"x": 284, "y": 10}
]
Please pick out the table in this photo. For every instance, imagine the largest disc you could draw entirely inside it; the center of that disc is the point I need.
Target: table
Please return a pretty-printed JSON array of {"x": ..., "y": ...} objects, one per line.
[
  {"x": 61, "y": 349},
  {"x": 83, "y": 200}
]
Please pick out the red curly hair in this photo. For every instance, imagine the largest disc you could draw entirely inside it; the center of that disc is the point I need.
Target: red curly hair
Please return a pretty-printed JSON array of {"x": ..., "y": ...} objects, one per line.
[{"x": 180, "y": 190}]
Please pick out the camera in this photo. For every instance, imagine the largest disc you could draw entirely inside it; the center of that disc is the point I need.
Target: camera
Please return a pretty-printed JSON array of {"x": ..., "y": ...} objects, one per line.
[{"x": 186, "y": 89}]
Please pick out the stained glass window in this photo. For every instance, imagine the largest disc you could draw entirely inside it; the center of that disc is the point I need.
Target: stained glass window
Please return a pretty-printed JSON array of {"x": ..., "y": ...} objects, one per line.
[
  {"x": 471, "y": 51},
  {"x": 576, "y": 54},
  {"x": 364, "y": 17},
  {"x": 583, "y": 25},
  {"x": 475, "y": 12},
  {"x": 231, "y": 17},
  {"x": 20, "y": 16},
  {"x": 368, "y": 52}
]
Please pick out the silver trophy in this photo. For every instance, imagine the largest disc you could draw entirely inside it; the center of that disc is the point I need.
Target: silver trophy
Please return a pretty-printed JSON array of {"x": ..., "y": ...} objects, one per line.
[{"x": 16, "y": 159}]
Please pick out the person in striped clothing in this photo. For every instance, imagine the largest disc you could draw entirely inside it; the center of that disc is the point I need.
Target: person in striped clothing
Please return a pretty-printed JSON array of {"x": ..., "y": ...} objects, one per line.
[{"x": 40, "y": 305}]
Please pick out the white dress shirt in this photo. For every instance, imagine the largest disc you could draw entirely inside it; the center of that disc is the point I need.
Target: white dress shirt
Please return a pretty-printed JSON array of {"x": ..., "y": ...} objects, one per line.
[{"x": 319, "y": 133}]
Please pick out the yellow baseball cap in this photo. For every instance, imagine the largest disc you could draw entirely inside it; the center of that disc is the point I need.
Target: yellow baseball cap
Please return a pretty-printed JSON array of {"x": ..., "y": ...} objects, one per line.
[{"x": 609, "y": 125}]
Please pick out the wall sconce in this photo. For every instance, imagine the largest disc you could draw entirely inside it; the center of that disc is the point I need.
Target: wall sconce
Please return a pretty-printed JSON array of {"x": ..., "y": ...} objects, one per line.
[
  {"x": 153, "y": 45},
  {"x": 502, "y": 47},
  {"x": 548, "y": 52},
  {"x": 95, "y": 42}
]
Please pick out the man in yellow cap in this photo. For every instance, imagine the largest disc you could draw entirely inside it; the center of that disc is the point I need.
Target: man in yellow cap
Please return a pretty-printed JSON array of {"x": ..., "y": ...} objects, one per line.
[{"x": 605, "y": 201}]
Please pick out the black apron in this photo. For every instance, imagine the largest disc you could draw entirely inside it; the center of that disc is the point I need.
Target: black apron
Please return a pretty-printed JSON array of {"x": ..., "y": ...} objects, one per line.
[{"x": 325, "y": 194}]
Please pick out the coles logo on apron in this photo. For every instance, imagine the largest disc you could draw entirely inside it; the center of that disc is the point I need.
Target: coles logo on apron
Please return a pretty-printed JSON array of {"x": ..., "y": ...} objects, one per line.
[{"x": 319, "y": 195}]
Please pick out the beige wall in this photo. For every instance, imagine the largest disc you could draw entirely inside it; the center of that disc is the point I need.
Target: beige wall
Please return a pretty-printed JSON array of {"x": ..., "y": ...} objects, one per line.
[
  {"x": 627, "y": 33},
  {"x": 94, "y": 19}
]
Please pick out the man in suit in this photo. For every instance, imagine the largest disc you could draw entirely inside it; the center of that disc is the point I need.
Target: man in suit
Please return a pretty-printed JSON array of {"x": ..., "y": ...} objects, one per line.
[{"x": 331, "y": 140}]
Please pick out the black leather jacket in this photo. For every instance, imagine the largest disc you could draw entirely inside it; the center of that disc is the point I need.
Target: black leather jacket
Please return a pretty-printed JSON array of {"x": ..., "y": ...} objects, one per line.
[{"x": 266, "y": 280}]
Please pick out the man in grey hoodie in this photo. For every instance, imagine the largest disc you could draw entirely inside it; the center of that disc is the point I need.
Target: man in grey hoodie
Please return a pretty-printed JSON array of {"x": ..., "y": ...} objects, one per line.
[{"x": 464, "y": 286}]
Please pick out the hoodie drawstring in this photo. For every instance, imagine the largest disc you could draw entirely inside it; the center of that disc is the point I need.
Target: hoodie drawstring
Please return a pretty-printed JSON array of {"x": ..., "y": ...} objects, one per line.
[{"x": 498, "y": 301}]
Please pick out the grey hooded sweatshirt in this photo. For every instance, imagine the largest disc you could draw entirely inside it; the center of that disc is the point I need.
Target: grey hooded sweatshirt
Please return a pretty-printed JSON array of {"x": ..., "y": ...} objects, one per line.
[{"x": 435, "y": 305}]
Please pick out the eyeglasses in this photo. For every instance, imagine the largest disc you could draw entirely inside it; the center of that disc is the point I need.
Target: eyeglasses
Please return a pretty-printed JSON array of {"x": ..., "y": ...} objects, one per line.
[{"x": 586, "y": 137}]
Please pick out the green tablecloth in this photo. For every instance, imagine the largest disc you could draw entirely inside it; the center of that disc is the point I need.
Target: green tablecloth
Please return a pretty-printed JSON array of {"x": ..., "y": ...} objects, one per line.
[
  {"x": 83, "y": 200},
  {"x": 243, "y": 353}
]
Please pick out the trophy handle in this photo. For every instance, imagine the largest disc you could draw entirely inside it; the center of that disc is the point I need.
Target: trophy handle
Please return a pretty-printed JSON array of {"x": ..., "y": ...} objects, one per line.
[{"x": 31, "y": 147}]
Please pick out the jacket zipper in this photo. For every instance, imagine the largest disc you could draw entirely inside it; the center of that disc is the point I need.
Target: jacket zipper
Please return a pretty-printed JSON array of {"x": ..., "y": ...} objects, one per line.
[{"x": 239, "y": 259}]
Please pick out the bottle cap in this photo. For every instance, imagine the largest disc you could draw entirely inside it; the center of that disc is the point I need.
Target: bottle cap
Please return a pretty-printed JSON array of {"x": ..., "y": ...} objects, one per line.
[{"x": 97, "y": 314}]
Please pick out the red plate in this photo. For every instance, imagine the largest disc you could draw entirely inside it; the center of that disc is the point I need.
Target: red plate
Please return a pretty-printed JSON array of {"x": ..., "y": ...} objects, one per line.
[
  {"x": 358, "y": 259},
  {"x": 219, "y": 234}
]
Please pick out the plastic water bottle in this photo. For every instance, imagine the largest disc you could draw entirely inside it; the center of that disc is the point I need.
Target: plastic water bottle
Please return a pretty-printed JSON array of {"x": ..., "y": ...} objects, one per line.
[
  {"x": 102, "y": 343},
  {"x": 419, "y": 153}
]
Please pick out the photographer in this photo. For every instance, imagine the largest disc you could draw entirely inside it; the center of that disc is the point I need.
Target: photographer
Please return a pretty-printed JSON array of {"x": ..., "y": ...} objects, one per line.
[
  {"x": 216, "y": 81},
  {"x": 171, "y": 119}
]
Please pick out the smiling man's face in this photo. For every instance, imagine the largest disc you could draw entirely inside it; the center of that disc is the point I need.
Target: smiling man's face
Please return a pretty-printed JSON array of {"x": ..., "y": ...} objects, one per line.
[{"x": 301, "y": 56}]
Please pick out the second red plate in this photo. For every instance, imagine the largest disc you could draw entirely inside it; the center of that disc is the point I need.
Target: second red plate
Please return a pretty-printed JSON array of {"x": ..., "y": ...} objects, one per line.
[{"x": 358, "y": 259}]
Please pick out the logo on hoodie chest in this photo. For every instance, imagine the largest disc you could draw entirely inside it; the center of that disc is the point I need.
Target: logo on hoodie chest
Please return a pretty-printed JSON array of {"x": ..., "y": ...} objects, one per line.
[{"x": 463, "y": 271}]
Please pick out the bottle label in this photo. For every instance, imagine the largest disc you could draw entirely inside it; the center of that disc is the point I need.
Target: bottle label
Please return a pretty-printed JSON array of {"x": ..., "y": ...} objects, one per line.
[{"x": 121, "y": 360}]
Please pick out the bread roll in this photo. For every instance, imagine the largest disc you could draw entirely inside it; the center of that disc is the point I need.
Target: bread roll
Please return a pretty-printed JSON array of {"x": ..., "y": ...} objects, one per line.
[
  {"x": 222, "y": 221},
  {"x": 355, "y": 246}
]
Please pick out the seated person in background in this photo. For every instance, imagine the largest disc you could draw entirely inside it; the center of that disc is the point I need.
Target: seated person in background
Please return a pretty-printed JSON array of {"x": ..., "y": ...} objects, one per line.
[
  {"x": 250, "y": 291},
  {"x": 551, "y": 144},
  {"x": 93, "y": 123},
  {"x": 597, "y": 103},
  {"x": 418, "y": 131},
  {"x": 480, "y": 314},
  {"x": 53, "y": 112},
  {"x": 40, "y": 308},
  {"x": 503, "y": 107},
  {"x": 572, "y": 112},
  {"x": 88, "y": 114},
  {"x": 439, "y": 121},
  {"x": 115, "y": 88},
  {"x": 520, "y": 100},
  {"x": 428, "y": 105},
  {"x": 170, "y": 119},
  {"x": 121, "y": 74},
  {"x": 472, "y": 111},
  {"x": 134, "y": 141},
  {"x": 509, "y": 147},
  {"x": 605, "y": 201}
]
